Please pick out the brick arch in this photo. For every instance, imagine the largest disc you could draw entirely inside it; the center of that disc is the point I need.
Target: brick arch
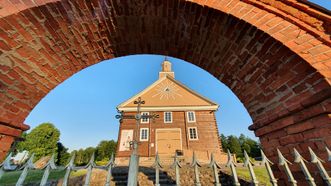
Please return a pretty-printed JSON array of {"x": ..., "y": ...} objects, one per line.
[{"x": 275, "y": 56}]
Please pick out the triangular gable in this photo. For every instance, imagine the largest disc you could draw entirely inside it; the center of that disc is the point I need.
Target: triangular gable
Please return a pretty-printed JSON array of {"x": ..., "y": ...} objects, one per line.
[{"x": 167, "y": 93}]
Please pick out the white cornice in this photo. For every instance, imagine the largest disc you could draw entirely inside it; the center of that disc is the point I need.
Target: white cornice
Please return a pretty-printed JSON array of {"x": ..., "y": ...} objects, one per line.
[{"x": 183, "y": 108}]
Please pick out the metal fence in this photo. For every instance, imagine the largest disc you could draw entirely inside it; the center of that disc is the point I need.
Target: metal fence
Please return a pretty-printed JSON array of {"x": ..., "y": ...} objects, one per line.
[{"x": 6, "y": 166}]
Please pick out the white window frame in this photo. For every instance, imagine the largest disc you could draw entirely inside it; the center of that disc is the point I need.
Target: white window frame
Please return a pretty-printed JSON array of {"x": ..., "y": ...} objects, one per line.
[
  {"x": 164, "y": 117},
  {"x": 189, "y": 133},
  {"x": 140, "y": 134},
  {"x": 188, "y": 118},
  {"x": 141, "y": 120}
]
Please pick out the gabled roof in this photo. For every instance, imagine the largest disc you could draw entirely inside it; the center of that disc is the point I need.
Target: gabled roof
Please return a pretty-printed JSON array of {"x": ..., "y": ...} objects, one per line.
[{"x": 168, "y": 94}]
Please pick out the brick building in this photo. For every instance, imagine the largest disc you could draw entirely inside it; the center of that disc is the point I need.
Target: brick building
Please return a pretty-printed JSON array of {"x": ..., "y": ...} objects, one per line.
[{"x": 186, "y": 120}]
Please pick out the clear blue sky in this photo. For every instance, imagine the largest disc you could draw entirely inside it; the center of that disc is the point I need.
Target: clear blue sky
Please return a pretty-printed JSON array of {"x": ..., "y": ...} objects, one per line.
[
  {"x": 83, "y": 107},
  {"x": 324, "y": 3}
]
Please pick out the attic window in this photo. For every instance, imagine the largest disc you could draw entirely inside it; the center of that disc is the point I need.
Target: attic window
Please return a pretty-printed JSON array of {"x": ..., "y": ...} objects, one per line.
[{"x": 167, "y": 89}]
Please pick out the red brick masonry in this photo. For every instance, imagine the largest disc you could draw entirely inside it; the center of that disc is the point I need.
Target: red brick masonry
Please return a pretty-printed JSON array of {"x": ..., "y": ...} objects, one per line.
[{"x": 274, "y": 55}]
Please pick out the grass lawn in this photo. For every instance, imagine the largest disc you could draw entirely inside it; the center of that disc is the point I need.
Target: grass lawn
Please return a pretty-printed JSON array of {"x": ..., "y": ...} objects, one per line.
[
  {"x": 260, "y": 172},
  {"x": 34, "y": 176}
]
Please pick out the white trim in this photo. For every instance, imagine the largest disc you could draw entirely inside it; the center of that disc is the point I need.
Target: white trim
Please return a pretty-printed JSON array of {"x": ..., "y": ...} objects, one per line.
[
  {"x": 180, "y": 133},
  {"x": 188, "y": 118},
  {"x": 178, "y": 108},
  {"x": 120, "y": 106},
  {"x": 164, "y": 117},
  {"x": 147, "y": 134},
  {"x": 141, "y": 120},
  {"x": 196, "y": 131}
]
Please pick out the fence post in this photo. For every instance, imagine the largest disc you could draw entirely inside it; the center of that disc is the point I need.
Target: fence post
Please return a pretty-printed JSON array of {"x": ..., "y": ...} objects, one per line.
[
  {"x": 196, "y": 165},
  {"x": 232, "y": 166},
  {"x": 301, "y": 161},
  {"x": 248, "y": 164},
  {"x": 110, "y": 166},
  {"x": 157, "y": 166},
  {"x": 5, "y": 165},
  {"x": 215, "y": 168},
  {"x": 316, "y": 160},
  {"x": 50, "y": 165},
  {"x": 89, "y": 167},
  {"x": 267, "y": 163},
  {"x": 28, "y": 165},
  {"x": 176, "y": 165},
  {"x": 329, "y": 153},
  {"x": 284, "y": 162},
  {"x": 69, "y": 167},
  {"x": 133, "y": 169}
]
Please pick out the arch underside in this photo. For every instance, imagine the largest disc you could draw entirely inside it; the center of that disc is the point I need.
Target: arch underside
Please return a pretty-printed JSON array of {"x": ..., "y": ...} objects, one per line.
[{"x": 286, "y": 95}]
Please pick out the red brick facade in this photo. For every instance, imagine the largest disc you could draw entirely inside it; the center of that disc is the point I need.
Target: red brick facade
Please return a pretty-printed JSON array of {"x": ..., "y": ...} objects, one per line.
[
  {"x": 206, "y": 126},
  {"x": 274, "y": 55}
]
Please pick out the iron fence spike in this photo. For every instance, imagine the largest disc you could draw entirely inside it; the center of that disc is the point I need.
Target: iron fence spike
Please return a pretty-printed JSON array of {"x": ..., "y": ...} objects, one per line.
[
  {"x": 215, "y": 168},
  {"x": 316, "y": 160},
  {"x": 195, "y": 164},
  {"x": 248, "y": 164},
  {"x": 297, "y": 156},
  {"x": 89, "y": 167},
  {"x": 282, "y": 159},
  {"x": 301, "y": 161},
  {"x": 22, "y": 177},
  {"x": 212, "y": 161},
  {"x": 195, "y": 160},
  {"x": 69, "y": 167},
  {"x": 265, "y": 158},
  {"x": 176, "y": 165},
  {"x": 157, "y": 162},
  {"x": 314, "y": 157},
  {"x": 6, "y": 162},
  {"x": 284, "y": 162},
  {"x": 111, "y": 161},
  {"x": 176, "y": 162},
  {"x": 51, "y": 163},
  {"x": 109, "y": 167},
  {"x": 49, "y": 166},
  {"x": 5, "y": 165},
  {"x": 232, "y": 166},
  {"x": 230, "y": 159},
  {"x": 329, "y": 153},
  {"x": 157, "y": 166},
  {"x": 28, "y": 165},
  {"x": 267, "y": 163},
  {"x": 72, "y": 161}
]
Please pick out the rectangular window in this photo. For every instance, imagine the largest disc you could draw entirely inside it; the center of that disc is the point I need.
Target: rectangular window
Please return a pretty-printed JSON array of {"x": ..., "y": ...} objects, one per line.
[
  {"x": 193, "y": 133},
  {"x": 144, "y": 134},
  {"x": 144, "y": 120},
  {"x": 190, "y": 116},
  {"x": 167, "y": 117}
]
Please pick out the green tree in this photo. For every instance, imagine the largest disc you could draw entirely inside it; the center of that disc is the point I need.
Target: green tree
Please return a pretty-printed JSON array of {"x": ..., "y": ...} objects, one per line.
[
  {"x": 63, "y": 155},
  {"x": 79, "y": 159},
  {"x": 83, "y": 156},
  {"x": 224, "y": 142},
  {"x": 42, "y": 141},
  {"x": 105, "y": 149},
  {"x": 234, "y": 145}
]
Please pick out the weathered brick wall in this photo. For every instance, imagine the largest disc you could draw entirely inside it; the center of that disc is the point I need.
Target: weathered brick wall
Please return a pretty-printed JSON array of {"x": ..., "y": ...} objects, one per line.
[
  {"x": 205, "y": 123},
  {"x": 274, "y": 55}
]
